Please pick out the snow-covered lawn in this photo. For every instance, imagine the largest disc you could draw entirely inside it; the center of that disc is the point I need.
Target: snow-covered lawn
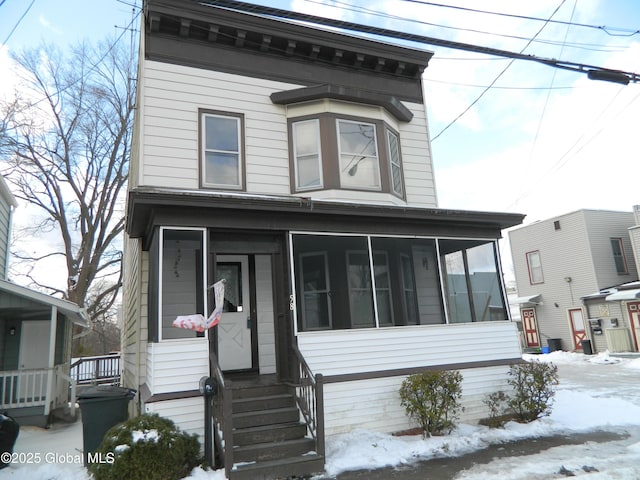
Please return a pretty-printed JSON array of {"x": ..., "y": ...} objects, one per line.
[{"x": 595, "y": 393}]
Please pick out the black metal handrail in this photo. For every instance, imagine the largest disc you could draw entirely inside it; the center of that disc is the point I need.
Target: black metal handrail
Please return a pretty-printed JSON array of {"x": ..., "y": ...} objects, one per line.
[
  {"x": 222, "y": 415},
  {"x": 309, "y": 393}
]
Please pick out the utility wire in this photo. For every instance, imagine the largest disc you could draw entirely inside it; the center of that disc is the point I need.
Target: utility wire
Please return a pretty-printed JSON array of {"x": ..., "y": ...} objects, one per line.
[
  {"x": 18, "y": 22},
  {"x": 495, "y": 79},
  {"x": 594, "y": 72},
  {"x": 358, "y": 9},
  {"x": 605, "y": 29}
]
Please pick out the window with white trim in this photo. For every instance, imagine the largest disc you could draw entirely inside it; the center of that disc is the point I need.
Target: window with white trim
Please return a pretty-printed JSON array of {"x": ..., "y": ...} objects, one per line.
[
  {"x": 307, "y": 154},
  {"x": 358, "y": 154},
  {"x": 534, "y": 264},
  {"x": 393, "y": 144},
  {"x": 222, "y": 156}
]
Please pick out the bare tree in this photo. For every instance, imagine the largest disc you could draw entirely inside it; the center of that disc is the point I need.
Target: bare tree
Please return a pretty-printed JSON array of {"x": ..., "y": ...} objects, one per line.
[{"x": 65, "y": 146}]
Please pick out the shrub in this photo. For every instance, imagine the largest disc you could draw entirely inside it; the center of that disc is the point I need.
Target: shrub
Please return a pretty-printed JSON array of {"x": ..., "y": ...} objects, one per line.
[
  {"x": 533, "y": 389},
  {"x": 146, "y": 447},
  {"x": 432, "y": 398},
  {"x": 499, "y": 411}
]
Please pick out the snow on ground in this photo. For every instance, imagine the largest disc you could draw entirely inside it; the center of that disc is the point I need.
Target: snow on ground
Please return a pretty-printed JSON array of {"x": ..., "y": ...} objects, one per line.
[{"x": 596, "y": 393}]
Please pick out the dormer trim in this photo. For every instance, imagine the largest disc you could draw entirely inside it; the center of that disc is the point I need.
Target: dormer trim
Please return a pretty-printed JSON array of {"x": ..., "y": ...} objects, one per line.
[{"x": 347, "y": 94}]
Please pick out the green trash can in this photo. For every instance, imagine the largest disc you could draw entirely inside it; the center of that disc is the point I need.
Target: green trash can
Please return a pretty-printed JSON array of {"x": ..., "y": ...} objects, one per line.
[{"x": 102, "y": 407}]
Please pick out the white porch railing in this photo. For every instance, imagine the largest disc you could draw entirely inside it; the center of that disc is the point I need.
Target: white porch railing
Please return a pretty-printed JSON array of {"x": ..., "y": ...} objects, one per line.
[{"x": 24, "y": 388}]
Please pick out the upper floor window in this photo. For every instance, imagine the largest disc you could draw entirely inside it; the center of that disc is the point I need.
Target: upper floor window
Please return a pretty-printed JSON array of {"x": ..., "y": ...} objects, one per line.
[
  {"x": 307, "y": 155},
  {"x": 359, "y": 165},
  {"x": 221, "y": 150},
  {"x": 535, "y": 267},
  {"x": 331, "y": 152},
  {"x": 394, "y": 163},
  {"x": 618, "y": 256}
]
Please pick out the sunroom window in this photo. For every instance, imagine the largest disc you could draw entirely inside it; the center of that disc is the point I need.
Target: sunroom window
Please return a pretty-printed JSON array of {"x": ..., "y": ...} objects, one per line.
[
  {"x": 182, "y": 281},
  {"x": 338, "y": 275},
  {"x": 471, "y": 281}
]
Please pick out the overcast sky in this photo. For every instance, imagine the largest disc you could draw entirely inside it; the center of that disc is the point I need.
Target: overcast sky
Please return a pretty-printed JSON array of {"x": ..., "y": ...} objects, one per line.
[{"x": 540, "y": 141}]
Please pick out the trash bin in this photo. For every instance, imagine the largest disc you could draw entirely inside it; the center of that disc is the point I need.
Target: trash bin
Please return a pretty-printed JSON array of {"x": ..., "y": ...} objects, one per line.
[
  {"x": 9, "y": 430},
  {"x": 554, "y": 344},
  {"x": 586, "y": 347},
  {"x": 102, "y": 407}
]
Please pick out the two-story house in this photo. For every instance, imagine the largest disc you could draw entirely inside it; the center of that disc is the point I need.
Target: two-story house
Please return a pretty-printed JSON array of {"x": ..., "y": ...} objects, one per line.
[
  {"x": 294, "y": 162},
  {"x": 560, "y": 261}
]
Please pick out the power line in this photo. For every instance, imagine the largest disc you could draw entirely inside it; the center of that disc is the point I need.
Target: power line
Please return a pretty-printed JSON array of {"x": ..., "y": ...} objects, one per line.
[
  {"x": 18, "y": 22},
  {"x": 593, "y": 72},
  {"x": 605, "y": 29},
  {"x": 495, "y": 79},
  {"x": 358, "y": 9}
]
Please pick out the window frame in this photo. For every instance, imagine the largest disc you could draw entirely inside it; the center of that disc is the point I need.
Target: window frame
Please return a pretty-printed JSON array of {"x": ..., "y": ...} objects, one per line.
[
  {"x": 530, "y": 267},
  {"x": 296, "y": 177},
  {"x": 160, "y": 283},
  {"x": 376, "y": 160},
  {"x": 623, "y": 268},
  {"x": 327, "y": 279},
  {"x": 401, "y": 193},
  {"x": 202, "y": 150}
]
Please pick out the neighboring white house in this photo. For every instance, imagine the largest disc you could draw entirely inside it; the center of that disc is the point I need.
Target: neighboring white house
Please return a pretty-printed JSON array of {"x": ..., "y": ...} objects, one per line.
[
  {"x": 35, "y": 339},
  {"x": 560, "y": 261},
  {"x": 295, "y": 163}
]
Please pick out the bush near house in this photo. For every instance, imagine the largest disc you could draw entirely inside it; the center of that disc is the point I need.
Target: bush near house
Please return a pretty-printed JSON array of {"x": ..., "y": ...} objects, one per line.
[
  {"x": 432, "y": 398},
  {"x": 147, "y": 447},
  {"x": 533, "y": 386}
]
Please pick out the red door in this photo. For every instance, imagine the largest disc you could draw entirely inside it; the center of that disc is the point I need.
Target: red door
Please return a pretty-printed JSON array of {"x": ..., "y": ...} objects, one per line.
[
  {"x": 576, "y": 320},
  {"x": 634, "y": 319},
  {"x": 530, "y": 327}
]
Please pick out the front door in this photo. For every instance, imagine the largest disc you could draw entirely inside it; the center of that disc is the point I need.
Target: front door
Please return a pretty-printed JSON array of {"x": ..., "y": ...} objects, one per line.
[
  {"x": 634, "y": 319},
  {"x": 576, "y": 320},
  {"x": 530, "y": 327},
  {"x": 34, "y": 354},
  {"x": 235, "y": 327}
]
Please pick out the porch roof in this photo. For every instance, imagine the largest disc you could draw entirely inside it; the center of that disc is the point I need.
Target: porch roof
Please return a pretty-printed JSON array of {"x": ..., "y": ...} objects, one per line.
[
  {"x": 72, "y": 311},
  {"x": 149, "y": 207}
]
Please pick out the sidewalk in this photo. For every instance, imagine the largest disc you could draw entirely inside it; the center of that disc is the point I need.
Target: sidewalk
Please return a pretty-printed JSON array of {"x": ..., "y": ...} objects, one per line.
[{"x": 448, "y": 468}]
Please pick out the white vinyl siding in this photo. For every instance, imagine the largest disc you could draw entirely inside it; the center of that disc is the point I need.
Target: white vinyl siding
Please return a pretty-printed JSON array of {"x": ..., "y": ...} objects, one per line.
[
  {"x": 171, "y": 96},
  {"x": 177, "y": 366},
  {"x": 266, "y": 315},
  {"x": 134, "y": 328},
  {"x": 186, "y": 413},
  {"x": 358, "y": 404}
]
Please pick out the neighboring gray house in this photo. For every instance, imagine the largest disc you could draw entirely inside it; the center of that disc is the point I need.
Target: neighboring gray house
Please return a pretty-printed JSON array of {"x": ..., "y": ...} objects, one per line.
[
  {"x": 7, "y": 205},
  {"x": 559, "y": 261},
  {"x": 294, "y": 162},
  {"x": 35, "y": 340}
]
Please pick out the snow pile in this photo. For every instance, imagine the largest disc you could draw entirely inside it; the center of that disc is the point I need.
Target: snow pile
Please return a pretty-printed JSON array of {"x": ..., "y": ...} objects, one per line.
[
  {"x": 146, "y": 436},
  {"x": 596, "y": 393}
]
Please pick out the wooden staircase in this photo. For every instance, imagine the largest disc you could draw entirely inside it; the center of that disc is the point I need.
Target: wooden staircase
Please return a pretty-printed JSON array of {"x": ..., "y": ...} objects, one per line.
[{"x": 269, "y": 439}]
